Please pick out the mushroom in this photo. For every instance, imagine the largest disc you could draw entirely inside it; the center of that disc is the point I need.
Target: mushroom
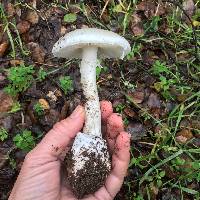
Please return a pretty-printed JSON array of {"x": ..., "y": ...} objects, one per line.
[{"x": 90, "y": 162}]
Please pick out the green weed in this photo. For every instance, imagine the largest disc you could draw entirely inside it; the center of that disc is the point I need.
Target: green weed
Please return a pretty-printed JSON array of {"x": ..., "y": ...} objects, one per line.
[
  {"x": 3, "y": 134},
  {"x": 99, "y": 70},
  {"x": 70, "y": 18},
  {"x": 20, "y": 79},
  {"x": 66, "y": 84},
  {"x": 41, "y": 74},
  {"x": 152, "y": 26},
  {"x": 15, "y": 107},
  {"x": 8, "y": 26},
  {"x": 135, "y": 50},
  {"x": 24, "y": 140},
  {"x": 120, "y": 107},
  {"x": 38, "y": 109}
]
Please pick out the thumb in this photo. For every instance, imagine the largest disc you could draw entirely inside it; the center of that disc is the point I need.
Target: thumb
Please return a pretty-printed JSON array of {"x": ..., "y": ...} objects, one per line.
[{"x": 58, "y": 138}]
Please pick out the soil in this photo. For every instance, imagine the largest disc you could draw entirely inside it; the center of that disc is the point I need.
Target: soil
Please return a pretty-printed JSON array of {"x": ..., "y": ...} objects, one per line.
[
  {"x": 128, "y": 84},
  {"x": 90, "y": 178}
]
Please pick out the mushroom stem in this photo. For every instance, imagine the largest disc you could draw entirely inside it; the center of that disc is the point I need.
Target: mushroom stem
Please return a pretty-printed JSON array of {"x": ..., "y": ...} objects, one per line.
[{"x": 88, "y": 81}]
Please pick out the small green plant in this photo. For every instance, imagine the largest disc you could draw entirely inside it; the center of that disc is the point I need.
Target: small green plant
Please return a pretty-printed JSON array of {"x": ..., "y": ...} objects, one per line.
[
  {"x": 135, "y": 50},
  {"x": 126, "y": 121},
  {"x": 159, "y": 67},
  {"x": 164, "y": 86},
  {"x": 119, "y": 108},
  {"x": 20, "y": 79},
  {"x": 100, "y": 69},
  {"x": 41, "y": 74},
  {"x": 66, "y": 84},
  {"x": 15, "y": 107},
  {"x": 38, "y": 109},
  {"x": 145, "y": 115},
  {"x": 3, "y": 134},
  {"x": 24, "y": 141},
  {"x": 152, "y": 26},
  {"x": 70, "y": 18}
]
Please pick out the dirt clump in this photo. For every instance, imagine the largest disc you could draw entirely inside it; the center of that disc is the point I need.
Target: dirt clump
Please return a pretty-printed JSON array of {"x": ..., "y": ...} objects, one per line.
[{"x": 88, "y": 179}]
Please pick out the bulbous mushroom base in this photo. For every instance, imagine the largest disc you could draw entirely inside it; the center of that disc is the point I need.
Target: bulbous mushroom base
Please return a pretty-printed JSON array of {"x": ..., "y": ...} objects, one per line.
[{"x": 88, "y": 164}]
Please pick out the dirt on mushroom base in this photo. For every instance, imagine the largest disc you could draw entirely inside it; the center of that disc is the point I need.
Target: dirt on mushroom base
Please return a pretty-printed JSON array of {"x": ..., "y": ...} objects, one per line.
[{"x": 90, "y": 178}]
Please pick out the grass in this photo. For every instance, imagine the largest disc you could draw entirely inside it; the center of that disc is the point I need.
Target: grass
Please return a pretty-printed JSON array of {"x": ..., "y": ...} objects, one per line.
[
  {"x": 163, "y": 165},
  {"x": 15, "y": 39}
]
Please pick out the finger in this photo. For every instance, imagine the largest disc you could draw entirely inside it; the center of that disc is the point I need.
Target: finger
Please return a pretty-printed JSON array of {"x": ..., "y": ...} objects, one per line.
[
  {"x": 120, "y": 162},
  {"x": 106, "y": 110},
  {"x": 58, "y": 138},
  {"x": 114, "y": 127}
]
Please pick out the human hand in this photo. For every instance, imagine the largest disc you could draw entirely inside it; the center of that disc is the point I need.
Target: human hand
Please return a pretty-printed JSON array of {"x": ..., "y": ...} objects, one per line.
[{"x": 40, "y": 175}]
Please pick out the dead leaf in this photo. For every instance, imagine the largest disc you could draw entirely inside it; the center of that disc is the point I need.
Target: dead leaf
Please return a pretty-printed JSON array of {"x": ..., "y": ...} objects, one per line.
[
  {"x": 3, "y": 48},
  {"x": 23, "y": 26},
  {"x": 16, "y": 62},
  {"x": 32, "y": 17},
  {"x": 185, "y": 123},
  {"x": 6, "y": 102},
  {"x": 129, "y": 112},
  {"x": 63, "y": 30},
  {"x": 64, "y": 110},
  {"x": 182, "y": 56},
  {"x": 137, "y": 30},
  {"x": 183, "y": 136},
  {"x": 44, "y": 104},
  {"x": 137, "y": 96},
  {"x": 189, "y": 7},
  {"x": 58, "y": 93},
  {"x": 18, "y": 11},
  {"x": 153, "y": 101},
  {"x": 156, "y": 112},
  {"x": 195, "y": 124},
  {"x": 181, "y": 97},
  {"x": 3, "y": 158},
  {"x": 136, "y": 25},
  {"x": 161, "y": 129},
  {"x": 151, "y": 8},
  {"x": 137, "y": 130},
  {"x": 164, "y": 27},
  {"x": 196, "y": 142},
  {"x": 10, "y": 10},
  {"x": 160, "y": 9},
  {"x": 37, "y": 52},
  {"x": 6, "y": 122},
  {"x": 105, "y": 16}
]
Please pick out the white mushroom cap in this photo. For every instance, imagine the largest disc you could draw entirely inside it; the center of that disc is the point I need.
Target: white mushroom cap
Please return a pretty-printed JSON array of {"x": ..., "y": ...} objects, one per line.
[{"x": 110, "y": 44}]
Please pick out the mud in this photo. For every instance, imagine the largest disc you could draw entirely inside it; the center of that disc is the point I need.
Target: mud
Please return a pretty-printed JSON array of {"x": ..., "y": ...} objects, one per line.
[{"x": 90, "y": 178}]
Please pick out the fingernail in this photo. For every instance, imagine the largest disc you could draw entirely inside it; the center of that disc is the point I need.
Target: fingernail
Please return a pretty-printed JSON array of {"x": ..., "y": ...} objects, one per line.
[{"x": 77, "y": 112}]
